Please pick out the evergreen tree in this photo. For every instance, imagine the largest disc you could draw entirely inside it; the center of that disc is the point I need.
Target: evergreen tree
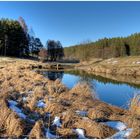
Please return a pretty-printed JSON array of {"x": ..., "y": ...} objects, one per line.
[{"x": 13, "y": 40}]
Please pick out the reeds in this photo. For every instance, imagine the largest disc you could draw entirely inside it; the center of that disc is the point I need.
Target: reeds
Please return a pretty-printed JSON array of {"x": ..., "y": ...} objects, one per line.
[{"x": 135, "y": 105}]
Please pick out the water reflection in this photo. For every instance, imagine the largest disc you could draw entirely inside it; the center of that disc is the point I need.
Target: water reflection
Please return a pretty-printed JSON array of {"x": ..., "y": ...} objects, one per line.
[
  {"x": 114, "y": 92},
  {"x": 88, "y": 80},
  {"x": 53, "y": 75}
]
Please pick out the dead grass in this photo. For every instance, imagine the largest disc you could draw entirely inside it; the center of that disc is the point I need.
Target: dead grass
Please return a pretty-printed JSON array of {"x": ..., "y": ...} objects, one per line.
[
  {"x": 18, "y": 81},
  {"x": 94, "y": 129},
  {"x": 37, "y": 131},
  {"x": 121, "y": 66},
  {"x": 9, "y": 121},
  {"x": 135, "y": 105}
]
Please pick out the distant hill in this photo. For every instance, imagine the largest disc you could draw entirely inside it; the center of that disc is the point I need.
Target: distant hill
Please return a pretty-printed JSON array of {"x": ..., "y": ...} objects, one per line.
[{"x": 106, "y": 48}]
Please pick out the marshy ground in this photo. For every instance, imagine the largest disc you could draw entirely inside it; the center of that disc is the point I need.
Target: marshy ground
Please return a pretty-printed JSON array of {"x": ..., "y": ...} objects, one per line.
[{"x": 32, "y": 106}]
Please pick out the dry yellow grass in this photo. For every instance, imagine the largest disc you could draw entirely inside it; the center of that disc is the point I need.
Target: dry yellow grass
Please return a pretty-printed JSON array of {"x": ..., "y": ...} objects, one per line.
[
  {"x": 18, "y": 81},
  {"x": 135, "y": 105},
  {"x": 121, "y": 66}
]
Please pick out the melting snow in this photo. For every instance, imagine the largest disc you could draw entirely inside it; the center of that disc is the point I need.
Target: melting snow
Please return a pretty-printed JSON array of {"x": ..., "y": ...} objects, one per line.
[
  {"x": 81, "y": 113},
  {"x": 138, "y": 62},
  {"x": 80, "y": 133},
  {"x": 12, "y": 105},
  {"x": 48, "y": 114},
  {"x": 122, "y": 134},
  {"x": 49, "y": 135},
  {"x": 30, "y": 91},
  {"x": 41, "y": 104},
  {"x": 12, "y": 102},
  {"x": 24, "y": 99},
  {"x": 57, "y": 122},
  {"x": 116, "y": 125},
  {"x": 115, "y": 62}
]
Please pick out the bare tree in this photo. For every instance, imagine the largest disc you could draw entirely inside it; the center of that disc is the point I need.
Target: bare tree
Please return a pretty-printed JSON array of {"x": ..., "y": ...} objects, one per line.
[
  {"x": 23, "y": 24},
  {"x": 55, "y": 50},
  {"x": 43, "y": 54}
]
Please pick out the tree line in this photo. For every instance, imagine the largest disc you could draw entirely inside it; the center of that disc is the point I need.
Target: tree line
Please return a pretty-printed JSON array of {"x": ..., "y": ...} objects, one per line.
[
  {"x": 16, "y": 40},
  {"x": 106, "y": 48}
]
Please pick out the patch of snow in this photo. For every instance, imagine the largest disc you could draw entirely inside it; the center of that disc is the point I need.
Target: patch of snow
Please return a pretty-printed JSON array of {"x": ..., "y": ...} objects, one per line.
[
  {"x": 48, "y": 114},
  {"x": 122, "y": 134},
  {"x": 15, "y": 109},
  {"x": 115, "y": 62},
  {"x": 12, "y": 102},
  {"x": 138, "y": 62},
  {"x": 32, "y": 120},
  {"x": 80, "y": 133},
  {"x": 22, "y": 115},
  {"x": 116, "y": 125},
  {"x": 30, "y": 91},
  {"x": 12, "y": 106},
  {"x": 49, "y": 135},
  {"x": 81, "y": 113},
  {"x": 57, "y": 122},
  {"x": 41, "y": 104},
  {"x": 24, "y": 99}
]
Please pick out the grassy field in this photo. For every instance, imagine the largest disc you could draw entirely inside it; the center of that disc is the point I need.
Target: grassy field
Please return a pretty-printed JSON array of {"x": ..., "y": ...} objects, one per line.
[
  {"x": 122, "y": 66},
  {"x": 32, "y": 106}
]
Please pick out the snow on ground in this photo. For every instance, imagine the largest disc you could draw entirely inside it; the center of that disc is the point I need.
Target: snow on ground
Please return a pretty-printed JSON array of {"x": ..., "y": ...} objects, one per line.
[
  {"x": 12, "y": 102},
  {"x": 115, "y": 62},
  {"x": 122, "y": 134},
  {"x": 49, "y": 135},
  {"x": 24, "y": 99},
  {"x": 48, "y": 114},
  {"x": 121, "y": 127},
  {"x": 110, "y": 61},
  {"x": 81, "y": 113},
  {"x": 30, "y": 92},
  {"x": 80, "y": 133},
  {"x": 12, "y": 106},
  {"x": 138, "y": 62},
  {"x": 116, "y": 125},
  {"x": 57, "y": 122},
  {"x": 41, "y": 104}
]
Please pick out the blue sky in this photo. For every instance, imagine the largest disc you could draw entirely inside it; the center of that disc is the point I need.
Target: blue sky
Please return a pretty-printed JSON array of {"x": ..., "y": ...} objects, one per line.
[{"x": 75, "y": 22}]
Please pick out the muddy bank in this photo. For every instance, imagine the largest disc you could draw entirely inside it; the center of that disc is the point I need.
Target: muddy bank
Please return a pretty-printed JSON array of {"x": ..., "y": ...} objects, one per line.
[{"x": 32, "y": 106}]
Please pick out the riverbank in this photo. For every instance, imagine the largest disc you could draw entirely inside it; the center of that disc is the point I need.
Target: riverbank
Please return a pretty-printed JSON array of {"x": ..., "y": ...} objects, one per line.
[
  {"x": 33, "y": 106},
  {"x": 114, "y": 66}
]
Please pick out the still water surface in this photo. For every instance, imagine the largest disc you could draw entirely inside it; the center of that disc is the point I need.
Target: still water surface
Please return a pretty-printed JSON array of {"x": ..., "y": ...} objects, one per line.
[{"x": 115, "y": 93}]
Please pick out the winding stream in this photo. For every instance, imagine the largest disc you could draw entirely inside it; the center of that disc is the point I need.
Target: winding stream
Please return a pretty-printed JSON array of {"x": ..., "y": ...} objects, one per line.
[{"x": 117, "y": 93}]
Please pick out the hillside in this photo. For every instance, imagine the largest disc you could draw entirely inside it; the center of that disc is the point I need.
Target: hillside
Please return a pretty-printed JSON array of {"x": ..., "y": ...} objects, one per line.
[
  {"x": 126, "y": 66},
  {"x": 106, "y": 48}
]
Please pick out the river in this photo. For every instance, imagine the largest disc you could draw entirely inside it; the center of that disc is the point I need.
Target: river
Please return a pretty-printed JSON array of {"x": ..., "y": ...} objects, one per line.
[{"x": 110, "y": 91}]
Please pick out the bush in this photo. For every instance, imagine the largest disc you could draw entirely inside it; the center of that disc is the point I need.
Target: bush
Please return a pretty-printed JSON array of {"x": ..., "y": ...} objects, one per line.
[{"x": 43, "y": 54}]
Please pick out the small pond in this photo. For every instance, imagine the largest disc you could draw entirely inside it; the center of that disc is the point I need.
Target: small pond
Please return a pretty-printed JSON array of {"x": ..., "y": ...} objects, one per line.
[{"x": 107, "y": 90}]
